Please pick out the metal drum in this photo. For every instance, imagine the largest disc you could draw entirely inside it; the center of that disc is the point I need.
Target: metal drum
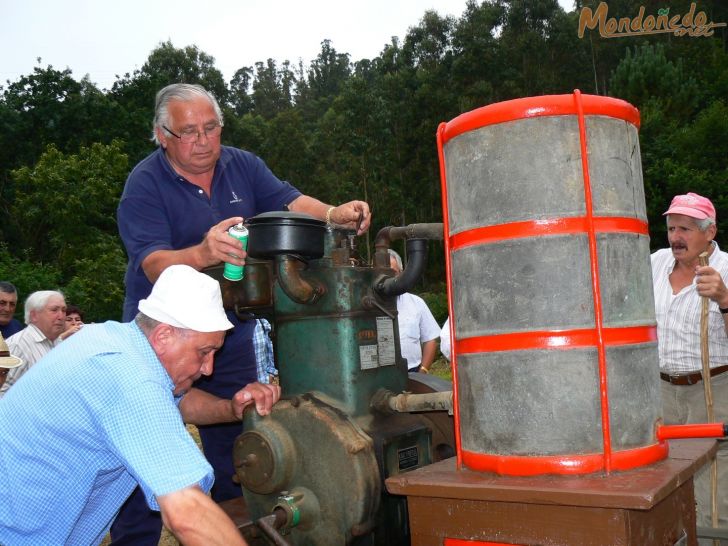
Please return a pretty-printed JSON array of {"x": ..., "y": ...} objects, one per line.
[{"x": 547, "y": 253}]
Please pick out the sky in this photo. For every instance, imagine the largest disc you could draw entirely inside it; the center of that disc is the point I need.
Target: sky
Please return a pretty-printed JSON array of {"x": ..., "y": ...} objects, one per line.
[{"x": 104, "y": 39}]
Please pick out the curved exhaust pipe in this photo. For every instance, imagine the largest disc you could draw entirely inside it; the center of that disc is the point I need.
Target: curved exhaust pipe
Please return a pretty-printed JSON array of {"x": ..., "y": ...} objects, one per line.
[
  {"x": 416, "y": 260},
  {"x": 416, "y": 236}
]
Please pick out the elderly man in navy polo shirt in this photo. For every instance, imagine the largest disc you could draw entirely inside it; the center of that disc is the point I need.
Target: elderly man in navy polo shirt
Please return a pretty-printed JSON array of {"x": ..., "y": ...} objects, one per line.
[{"x": 177, "y": 206}]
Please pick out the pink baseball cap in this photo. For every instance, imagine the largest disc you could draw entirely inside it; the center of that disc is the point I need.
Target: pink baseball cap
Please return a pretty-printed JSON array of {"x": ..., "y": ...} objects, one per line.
[{"x": 693, "y": 205}]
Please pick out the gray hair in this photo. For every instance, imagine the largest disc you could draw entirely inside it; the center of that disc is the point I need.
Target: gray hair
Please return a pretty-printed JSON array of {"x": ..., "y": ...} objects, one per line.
[
  {"x": 147, "y": 324},
  {"x": 184, "y": 92},
  {"x": 38, "y": 300},
  {"x": 703, "y": 224},
  {"x": 397, "y": 258},
  {"x": 8, "y": 288}
]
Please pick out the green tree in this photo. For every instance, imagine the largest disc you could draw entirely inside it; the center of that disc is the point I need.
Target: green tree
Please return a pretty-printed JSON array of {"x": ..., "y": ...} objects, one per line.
[
  {"x": 239, "y": 96},
  {"x": 97, "y": 283},
  {"x": 272, "y": 88},
  {"x": 66, "y": 207},
  {"x": 47, "y": 107},
  {"x": 27, "y": 275},
  {"x": 326, "y": 76},
  {"x": 476, "y": 54},
  {"x": 287, "y": 156},
  {"x": 646, "y": 74}
]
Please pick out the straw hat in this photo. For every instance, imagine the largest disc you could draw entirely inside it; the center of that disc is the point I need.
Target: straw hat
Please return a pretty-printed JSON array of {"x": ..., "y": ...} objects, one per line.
[{"x": 6, "y": 359}]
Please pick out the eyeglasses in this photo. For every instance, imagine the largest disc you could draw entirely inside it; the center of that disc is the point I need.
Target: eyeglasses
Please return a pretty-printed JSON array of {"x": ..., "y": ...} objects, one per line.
[{"x": 188, "y": 136}]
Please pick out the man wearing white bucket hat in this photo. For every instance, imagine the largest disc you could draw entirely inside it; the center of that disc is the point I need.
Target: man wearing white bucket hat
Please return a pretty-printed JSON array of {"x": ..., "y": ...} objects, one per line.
[
  {"x": 105, "y": 411},
  {"x": 7, "y": 361}
]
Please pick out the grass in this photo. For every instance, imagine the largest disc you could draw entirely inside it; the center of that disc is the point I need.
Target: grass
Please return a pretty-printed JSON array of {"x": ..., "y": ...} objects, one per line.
[{"x": 441, "y": 368}]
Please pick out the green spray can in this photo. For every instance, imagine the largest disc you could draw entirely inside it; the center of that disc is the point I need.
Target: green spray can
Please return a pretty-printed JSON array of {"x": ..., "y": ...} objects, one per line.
[{"x": 234, "y": 272}]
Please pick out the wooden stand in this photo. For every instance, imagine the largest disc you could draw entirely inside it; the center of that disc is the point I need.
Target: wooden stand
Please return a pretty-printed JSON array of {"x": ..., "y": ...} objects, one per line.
[{"x": 653, "y": 505}]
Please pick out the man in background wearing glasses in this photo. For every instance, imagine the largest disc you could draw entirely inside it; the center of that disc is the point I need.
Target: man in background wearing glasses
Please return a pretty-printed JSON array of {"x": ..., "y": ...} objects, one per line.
[{"x": 176, "y": 208}]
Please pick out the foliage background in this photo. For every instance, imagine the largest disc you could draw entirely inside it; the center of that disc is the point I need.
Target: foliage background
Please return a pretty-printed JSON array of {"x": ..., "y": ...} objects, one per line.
[{"x": 341, "y": 129}]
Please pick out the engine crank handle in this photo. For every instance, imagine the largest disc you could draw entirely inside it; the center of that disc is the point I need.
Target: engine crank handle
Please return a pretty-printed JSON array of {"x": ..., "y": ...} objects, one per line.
[{"x": 267, "y": 525}]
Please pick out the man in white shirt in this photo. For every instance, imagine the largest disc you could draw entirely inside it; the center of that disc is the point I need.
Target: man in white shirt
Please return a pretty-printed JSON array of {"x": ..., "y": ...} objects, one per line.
[
  {"x": 445, "y": 346},
  {"x": 679, "y": 283},
  {"x": 418, "y": 329},
  {"x": 45, "y": 315}
]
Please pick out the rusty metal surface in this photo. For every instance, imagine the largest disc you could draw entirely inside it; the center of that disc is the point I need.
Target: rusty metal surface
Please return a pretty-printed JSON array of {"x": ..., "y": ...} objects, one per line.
[
  {"x": 431, "y": 401},
  {"x": 335, "y": 345},
  {"x": 440, "y": 423},
  {"x": 332, "y": 467},
  {"x": 264, "y": 459},
  {"x": 297, "y": 288},
  {"x": 254, "y": 292}
]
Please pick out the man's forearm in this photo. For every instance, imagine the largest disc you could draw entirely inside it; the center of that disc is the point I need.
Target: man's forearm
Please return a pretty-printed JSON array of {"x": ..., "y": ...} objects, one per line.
[
  {"x": 159, "y": 260},
  {"x": 309, "y": 205},
  {"x": 202, "y": 408},
  {"x": 429, "y": 350},
  {"x": 195, "y": 520}
]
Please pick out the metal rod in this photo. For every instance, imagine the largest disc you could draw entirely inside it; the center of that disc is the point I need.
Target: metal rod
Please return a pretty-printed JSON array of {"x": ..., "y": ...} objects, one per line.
[
  {"x": 408, "y": 402},
  {"x": 697, "y": 430},
  {"x": 268, "y": 524},
  {"x": 708, "y": 532},
  {"x": 707, "y": 387},
  {"x": 596, "y": 284}
]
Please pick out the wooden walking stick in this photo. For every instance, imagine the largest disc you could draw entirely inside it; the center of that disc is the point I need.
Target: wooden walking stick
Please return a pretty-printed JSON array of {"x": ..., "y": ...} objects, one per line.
[{"x": 705, "y": 360}]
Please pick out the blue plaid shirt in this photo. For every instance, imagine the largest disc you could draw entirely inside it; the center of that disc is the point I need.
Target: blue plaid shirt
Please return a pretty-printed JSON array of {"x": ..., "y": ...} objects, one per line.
[
  {"x": 82, "y": 427},
  {"x": 263, "y": 351}
]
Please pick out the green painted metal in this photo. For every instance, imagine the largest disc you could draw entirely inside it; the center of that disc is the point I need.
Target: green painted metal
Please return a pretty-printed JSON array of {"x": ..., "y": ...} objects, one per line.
[
  {"x": 339, "y": 345},
  {"x": 336, "y": 345},
  {"x": 322, "y": 458}
]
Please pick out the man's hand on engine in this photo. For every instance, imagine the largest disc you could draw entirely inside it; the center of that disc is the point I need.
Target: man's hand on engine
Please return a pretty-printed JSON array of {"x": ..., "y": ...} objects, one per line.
[
  {"x": 353, "y": 215},
  {"x": 264, "y": 396}
]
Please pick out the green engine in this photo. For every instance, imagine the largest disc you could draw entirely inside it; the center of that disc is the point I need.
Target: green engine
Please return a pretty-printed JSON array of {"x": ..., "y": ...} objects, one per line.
[{"x": 320, "y": 459}]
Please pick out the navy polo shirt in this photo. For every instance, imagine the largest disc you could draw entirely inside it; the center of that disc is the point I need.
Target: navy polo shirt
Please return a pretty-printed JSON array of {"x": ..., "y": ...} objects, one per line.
[
  {"x": 161, "y": 210},
  {"x": 12, "y": 327}
]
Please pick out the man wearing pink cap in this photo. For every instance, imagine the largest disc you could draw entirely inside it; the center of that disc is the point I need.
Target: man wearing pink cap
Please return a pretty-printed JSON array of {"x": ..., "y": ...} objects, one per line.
[{"x": 679, "y": 282}]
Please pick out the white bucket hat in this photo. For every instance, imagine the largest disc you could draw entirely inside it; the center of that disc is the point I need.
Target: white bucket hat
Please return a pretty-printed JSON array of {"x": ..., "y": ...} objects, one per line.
[
  {"x": 186, "y": 298},
  {"x": 6, "y": 359}
]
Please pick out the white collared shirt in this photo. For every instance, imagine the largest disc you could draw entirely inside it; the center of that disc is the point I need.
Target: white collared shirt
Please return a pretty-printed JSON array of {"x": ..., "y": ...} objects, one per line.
[
  {"x": 30, "y": 344},
  {"x": 445, "y": 339},
  {"x": 416, "y": 326},
  {"x": 678, "y": 317}
]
